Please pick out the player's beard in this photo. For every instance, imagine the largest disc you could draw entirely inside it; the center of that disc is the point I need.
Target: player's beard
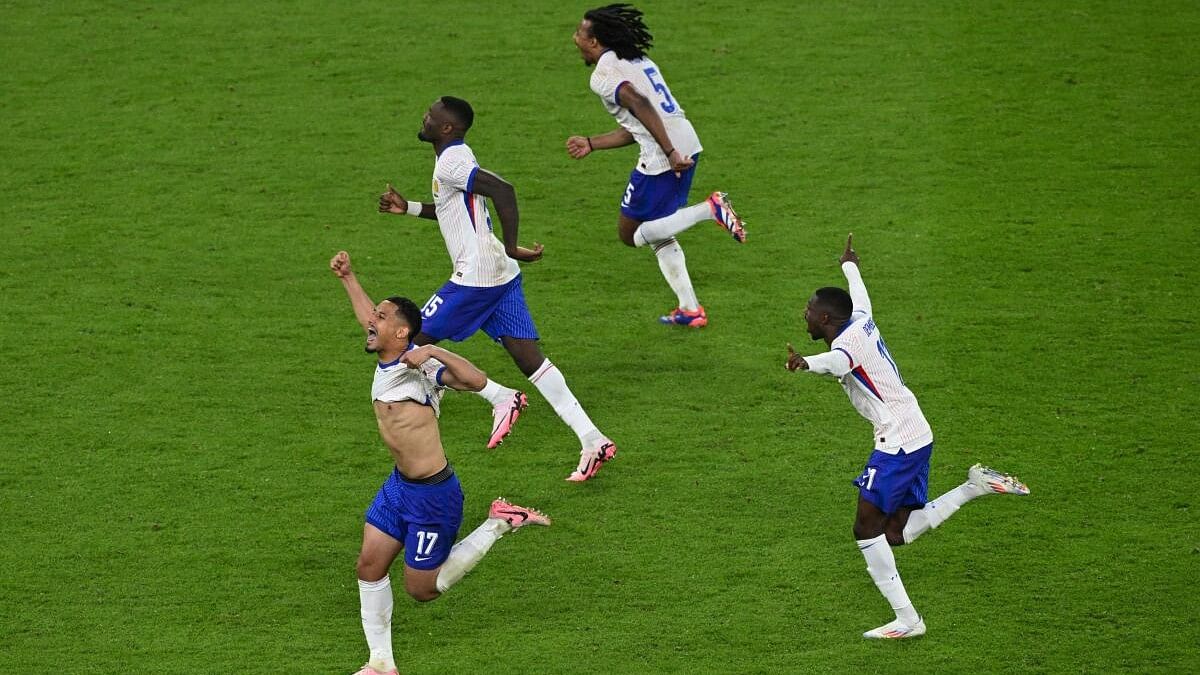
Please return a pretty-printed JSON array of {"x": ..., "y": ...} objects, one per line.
[{"x": 422, "y": 137}]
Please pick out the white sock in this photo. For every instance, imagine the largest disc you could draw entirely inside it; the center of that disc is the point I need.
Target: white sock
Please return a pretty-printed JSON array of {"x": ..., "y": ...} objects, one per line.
[
  {"x": 654, "y": 231},
  {"x": 553, "y": 386},
  {"x": 375, "y": 607},
  {"x": 469, "y": 551},
  {"x": 496, "y": 393},
  {"x": 937, "y": 511},
  {"x": 674, "y": 269},
  {"x": 881, "y": 565}
]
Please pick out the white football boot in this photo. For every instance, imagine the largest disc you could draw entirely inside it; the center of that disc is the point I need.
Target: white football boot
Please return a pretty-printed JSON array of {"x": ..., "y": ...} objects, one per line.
[
  {"x": 896, "y": 630},
  {"x": 990, "y": 480}
]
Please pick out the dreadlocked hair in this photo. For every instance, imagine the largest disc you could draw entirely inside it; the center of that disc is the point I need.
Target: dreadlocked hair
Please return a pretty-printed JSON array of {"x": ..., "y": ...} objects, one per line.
[{"x": 620, "y": 28}]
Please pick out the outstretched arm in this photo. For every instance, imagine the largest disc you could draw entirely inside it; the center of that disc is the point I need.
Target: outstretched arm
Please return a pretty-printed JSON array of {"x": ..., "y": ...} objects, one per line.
[
  {"x": 363, "y": 307},
  {"x": 582, "y": 146},
  {"x": 836, "y": 362},
  {"x": 504, "y": 197},
  {"x": 460, "y": 374},
  {"x": 858, "y": 290}
]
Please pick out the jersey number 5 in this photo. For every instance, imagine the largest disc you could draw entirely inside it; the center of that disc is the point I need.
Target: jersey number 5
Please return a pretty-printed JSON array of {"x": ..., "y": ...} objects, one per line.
[{"x": 668, "y": 104}]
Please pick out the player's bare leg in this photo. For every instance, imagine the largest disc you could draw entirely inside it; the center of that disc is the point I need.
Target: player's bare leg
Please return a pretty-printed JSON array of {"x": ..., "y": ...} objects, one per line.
[
  {"x": 507, "y": 403},
  {"x": 378, "y": 552},
  {"x": 981, "y": 481},
  {"x": 595, "y": 447},
  {"x": 869, "y": 524}
]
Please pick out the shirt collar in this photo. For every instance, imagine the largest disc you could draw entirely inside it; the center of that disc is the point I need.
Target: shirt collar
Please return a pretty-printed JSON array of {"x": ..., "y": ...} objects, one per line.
[
  {"x": 384, "y": 366},
  {"x": 451, "y": 144}
]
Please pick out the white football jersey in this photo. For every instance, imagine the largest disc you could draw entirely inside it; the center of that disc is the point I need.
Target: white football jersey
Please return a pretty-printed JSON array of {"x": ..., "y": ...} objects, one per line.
[
  {"x": 643, "y": 75},
  {"x": 859, "y": 358},
  {"x": 478, "y": 256},
  {"x": 397, "y": 382}
]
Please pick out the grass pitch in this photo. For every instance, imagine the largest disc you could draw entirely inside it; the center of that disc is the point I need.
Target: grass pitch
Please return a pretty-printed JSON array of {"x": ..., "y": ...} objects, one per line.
[{"x": 188, "y": 445}]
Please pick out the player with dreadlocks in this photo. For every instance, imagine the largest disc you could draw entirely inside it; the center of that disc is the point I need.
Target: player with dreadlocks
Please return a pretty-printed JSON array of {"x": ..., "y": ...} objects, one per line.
[{"x": 654, "y": 208}]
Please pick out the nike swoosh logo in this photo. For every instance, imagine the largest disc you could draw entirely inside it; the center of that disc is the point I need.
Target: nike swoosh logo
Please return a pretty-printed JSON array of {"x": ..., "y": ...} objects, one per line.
[
  {"x": 524, "y": 516},
  {"x": 417, "y": 558}
]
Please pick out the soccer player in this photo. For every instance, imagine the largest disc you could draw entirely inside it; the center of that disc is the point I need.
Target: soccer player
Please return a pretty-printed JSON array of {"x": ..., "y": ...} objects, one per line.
[
  {"x": 419, "y": 508},
  {"x": 484, "y": 291},
  {"x": 892, "y": 506},
  {"x": 654, "y": 208}
]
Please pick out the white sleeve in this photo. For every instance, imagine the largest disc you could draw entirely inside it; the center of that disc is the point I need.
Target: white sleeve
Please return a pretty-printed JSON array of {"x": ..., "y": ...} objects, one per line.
[
  {"x": 858, "y": 290},
  {"x": 836, "y": 363},
  {"x": 433, "y": 369},
  {"x": 457, "y": 172}
]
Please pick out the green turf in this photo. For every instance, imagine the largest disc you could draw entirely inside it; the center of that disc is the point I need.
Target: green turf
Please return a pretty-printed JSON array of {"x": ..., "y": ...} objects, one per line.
[{"x": 188, "y": 444}]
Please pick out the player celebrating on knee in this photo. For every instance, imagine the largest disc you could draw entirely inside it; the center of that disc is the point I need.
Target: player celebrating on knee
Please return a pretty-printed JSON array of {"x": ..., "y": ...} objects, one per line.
[
  {"x": 654, "y": 208},
  {"x": 892, "y": 506},
  {"x": 419, "y": 508},
  {"x": 485, "y": 292}
]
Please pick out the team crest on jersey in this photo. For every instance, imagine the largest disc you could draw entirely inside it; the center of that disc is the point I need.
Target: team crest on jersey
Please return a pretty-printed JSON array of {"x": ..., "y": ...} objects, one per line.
[{"x": 435, "y": 188}]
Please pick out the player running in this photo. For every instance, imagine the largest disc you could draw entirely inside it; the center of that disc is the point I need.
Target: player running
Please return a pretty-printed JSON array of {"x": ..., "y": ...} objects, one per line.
[
  {"x": 653, "y": 210},
  {"x": 419, "y": 508},
  {"x": 892, "y": 509},
  {"x": 484, "y": 291}
]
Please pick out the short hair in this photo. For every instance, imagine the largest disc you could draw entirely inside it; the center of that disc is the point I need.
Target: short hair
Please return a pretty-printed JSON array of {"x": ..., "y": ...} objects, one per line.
[
  {"x": 836, "y": 301},
  {"x": 460, "y": 109},
  {"x": 408, "y": 310},
  {"x": 620, "y": 28}
]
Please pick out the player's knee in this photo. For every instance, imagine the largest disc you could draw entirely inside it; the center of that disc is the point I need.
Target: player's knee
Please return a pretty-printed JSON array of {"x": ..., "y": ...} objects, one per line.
[
  {"x": 866, "y": 530},
  {"x": 422, "y": 592},
  {"x": 625, "y": 234},
  {"x": 525, "y": 355},
  {"x": 370, "y": 570},
  {"x": 529, "y": 364},
  {"x": 894, "y": 537}
]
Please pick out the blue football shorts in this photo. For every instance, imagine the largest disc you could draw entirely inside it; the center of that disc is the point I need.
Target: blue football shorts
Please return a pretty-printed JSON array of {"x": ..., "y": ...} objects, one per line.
[
  {"x": 425, "y": 516},
  {"x": 658, "y": 196},
  {"x": 456, "y": 312},
  {"x": 894, "y": 482}
]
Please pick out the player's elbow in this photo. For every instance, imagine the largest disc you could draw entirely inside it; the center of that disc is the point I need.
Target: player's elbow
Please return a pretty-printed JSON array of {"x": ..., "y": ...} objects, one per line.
[{"x": 475, "y": 381}]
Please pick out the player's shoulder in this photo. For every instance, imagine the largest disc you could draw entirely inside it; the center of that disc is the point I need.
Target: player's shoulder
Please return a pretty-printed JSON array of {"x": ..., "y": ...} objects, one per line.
[
  {"x": 859, "y": 327},
  {"x": 454, "y": 158},
  {"x": 604, "y": 69}
]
